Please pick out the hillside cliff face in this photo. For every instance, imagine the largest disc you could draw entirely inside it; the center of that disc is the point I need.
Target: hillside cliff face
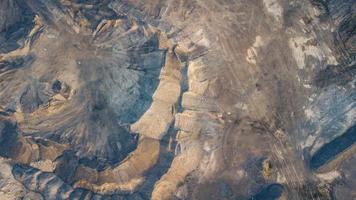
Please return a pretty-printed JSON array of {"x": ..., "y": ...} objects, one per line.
[{"x": 177, "y": 99}]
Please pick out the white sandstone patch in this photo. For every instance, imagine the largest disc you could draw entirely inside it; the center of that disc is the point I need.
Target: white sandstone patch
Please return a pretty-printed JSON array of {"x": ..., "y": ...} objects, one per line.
[
  {"x": 211, "y": 165},
  {"x": 309, "y": 142},
  {"x": 281, "y": 178},
  {"x": 241, "y": 173},
  {"x": 307, "y": 86},
  {"x": 252, "y": 52},
  {"x": 329, "y": 177},
  {"x": 309, "y": 113},
  {"x": 301, "y": 50},
  {"x": 274, "y": 9},
  {"x": 182, "y": 192},
  {"x": 241, "y": 105},
  {"x": 351, "y": 115},
  {"x": 319, "y": 142},
  {"x": 200, "y": 38}
]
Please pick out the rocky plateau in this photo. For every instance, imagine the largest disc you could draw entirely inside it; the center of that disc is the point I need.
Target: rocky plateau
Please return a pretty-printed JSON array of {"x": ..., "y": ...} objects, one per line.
[{"x": 177, "y": 99}]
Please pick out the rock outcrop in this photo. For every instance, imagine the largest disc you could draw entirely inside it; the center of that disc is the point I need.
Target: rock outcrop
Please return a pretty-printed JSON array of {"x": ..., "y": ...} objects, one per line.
[{"x": 177, "y": 99}]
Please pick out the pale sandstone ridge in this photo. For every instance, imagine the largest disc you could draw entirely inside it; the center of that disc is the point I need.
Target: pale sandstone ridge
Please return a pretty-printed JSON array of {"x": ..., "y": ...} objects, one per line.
[
  {"x": 198, "y": 119},
  {"x": 130, "y": 173},
  {"x": 165, "y": 98},
  {"x": 127, "y": 176},
  {"x": 182, "y": 165},
  {"x": 187, "y": 99}
]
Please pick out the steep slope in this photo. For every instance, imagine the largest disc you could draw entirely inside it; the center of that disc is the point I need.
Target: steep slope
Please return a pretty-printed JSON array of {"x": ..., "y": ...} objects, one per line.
[{"x": 177, "y": 99}]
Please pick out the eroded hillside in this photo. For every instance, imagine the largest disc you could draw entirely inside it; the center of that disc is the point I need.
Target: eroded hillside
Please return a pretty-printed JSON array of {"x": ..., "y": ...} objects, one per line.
[{"x": 177, "y": 99}]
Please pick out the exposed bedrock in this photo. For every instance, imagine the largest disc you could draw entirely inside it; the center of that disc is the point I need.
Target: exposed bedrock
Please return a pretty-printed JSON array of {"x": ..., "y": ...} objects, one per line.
[
  {"x": 86, "y": 100},
  {"x": 124, "y": 178},
  {"x": 60, "y": 101},
  {"x": 177, "y": 99}
]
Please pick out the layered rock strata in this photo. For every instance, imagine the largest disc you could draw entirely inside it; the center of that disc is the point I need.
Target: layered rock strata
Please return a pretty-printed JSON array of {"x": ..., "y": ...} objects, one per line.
[{"x": 177, "y": 99}]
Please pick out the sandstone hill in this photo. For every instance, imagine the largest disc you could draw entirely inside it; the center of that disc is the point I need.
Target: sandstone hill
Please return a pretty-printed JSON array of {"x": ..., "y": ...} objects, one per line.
[{"x": 177, "y": 99}]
